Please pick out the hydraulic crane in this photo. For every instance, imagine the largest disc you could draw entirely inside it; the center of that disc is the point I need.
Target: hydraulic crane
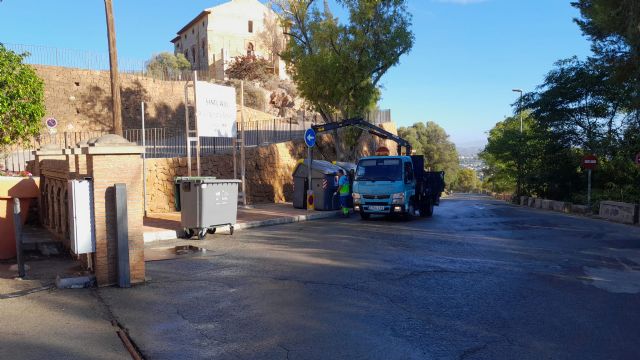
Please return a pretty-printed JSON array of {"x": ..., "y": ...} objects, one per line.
[{"x": 369, "y": 127}]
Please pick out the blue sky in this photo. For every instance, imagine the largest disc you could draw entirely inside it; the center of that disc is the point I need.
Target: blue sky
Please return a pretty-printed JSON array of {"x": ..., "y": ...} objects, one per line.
[{"x": 467, "y": 57}]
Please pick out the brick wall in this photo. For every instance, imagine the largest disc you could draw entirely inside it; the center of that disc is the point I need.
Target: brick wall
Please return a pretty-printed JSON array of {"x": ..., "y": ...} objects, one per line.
[{"x": 106, "y": 171}]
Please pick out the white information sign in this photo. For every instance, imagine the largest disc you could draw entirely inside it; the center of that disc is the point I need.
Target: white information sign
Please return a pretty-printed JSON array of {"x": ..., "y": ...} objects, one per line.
[{"x": 216, "y": 109}]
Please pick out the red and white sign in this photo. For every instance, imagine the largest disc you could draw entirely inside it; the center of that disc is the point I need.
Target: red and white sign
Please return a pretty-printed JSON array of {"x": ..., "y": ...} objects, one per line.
[
  {"x": 589, "y": 162},
  {"x": 638, "y": 159}
]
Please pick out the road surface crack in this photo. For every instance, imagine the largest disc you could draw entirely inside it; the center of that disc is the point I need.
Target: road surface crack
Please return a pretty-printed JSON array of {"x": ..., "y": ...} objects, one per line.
[
  {"x": 196, "y": 328},
  {"x": 285, "y": 349},
  {"x": 472, "y": 351}
]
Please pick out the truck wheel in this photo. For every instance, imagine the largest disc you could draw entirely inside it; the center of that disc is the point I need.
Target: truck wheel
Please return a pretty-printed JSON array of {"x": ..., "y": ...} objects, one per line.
[
  {"x": 364, "y": 215},
  {"x": 408, "y": 213},
  {"x": 427, "y": 211}
]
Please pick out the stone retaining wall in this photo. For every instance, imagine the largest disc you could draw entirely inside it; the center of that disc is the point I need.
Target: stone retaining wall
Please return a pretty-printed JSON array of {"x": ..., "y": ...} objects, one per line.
[
  {"x": 615, "y": 211},
  {"x": 619, "y": 212},
  {"x": 268, "y": 174}
]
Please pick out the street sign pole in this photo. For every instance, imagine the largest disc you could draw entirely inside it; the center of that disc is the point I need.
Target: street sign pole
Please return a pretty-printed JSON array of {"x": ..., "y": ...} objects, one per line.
[
  {"x": 589, "y": 188},
  {"x": 310, "y": 140}
]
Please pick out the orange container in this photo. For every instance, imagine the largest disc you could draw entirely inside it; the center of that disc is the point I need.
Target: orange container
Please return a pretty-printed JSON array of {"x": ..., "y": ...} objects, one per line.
[{"x": 23, "y": 188}]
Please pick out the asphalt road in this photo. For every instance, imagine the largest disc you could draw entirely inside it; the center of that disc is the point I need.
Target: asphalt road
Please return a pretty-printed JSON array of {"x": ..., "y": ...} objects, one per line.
[{"x": 480, "y": 280}]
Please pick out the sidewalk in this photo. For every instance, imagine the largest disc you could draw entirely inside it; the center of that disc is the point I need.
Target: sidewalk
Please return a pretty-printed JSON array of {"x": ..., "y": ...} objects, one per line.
[{"x": 166, "y": 226}]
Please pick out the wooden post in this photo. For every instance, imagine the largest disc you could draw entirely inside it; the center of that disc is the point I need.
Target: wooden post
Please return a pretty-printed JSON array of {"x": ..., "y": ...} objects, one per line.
[{"x": 113, "y": 65}]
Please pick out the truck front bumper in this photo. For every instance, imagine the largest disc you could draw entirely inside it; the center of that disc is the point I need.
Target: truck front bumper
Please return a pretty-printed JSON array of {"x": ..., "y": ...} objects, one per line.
[{"x": 380, "y": 209}]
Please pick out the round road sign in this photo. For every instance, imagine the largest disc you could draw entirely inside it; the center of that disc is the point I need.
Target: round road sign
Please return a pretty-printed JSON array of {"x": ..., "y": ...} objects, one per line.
[
  {"x": 51, "y": 122},
  {"x": 589, "y": 162},
  {"x": 310, "y": 137}
]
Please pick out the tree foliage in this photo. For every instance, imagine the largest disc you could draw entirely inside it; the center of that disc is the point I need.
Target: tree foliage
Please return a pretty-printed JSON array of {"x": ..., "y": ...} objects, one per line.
[
  {"x": 167, "y": 65},
  {"x": 431, "y": 140},
  {"x": 337, "y": 65},
  {"x": 466, "y": 181},
  {"x": 21, "y": 98},
  {"x": 589, "y": 106}
]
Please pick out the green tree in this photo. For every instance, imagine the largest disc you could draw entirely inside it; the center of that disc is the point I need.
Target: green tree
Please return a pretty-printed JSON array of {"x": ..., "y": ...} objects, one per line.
[
  {"x": 167, "y": 65},
  {"x": 546, "y": 167},
  {"x": 432, "y": 141},
  {"x": 612, "y": 27},
  {"x": 21, "y": 98},
  {"x": 337, "y": 65},
  {"x": 467, "y": 181}
]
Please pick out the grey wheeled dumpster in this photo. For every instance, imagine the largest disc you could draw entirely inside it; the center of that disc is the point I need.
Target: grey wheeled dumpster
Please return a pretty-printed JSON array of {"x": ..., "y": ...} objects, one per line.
[
  {"x": 206, "y": 203},
  {"x": 323, "y": 183}
]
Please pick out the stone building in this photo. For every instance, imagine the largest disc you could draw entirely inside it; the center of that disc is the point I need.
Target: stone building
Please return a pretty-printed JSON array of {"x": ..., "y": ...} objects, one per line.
[{"x": 220, "y": 33}]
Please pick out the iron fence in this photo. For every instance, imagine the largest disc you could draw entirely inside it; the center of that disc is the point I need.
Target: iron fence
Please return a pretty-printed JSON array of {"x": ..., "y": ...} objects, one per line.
[
  {"x": 167, "y": 143},
  {"x": 16, "y": 157}
]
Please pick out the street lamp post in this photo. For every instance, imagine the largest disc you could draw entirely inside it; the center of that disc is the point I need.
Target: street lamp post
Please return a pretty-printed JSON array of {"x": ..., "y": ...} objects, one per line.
[
  {"x": 519, "y": 182},
  {"x": 519, "y": 91}
]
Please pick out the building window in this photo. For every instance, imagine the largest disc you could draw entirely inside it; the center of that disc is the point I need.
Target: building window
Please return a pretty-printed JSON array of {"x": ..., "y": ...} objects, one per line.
[
  {"x": 192, "y": 31},
  {"x": 250, "y": 50},
  {"x": 185, "y": 36},
  {"x": 186, "y": 54},
  {"x": 251, "y": 26},
  {"x": 202, "y": 23},
  {"x": 204, "y": 45}
]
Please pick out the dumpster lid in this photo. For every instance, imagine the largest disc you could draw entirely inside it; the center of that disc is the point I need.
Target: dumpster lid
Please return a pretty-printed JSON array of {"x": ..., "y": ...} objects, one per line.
[
  {"x": 346, "y": 165},
  {"x": 204, "y": 180},
  {"x": 322, "y": 166}
]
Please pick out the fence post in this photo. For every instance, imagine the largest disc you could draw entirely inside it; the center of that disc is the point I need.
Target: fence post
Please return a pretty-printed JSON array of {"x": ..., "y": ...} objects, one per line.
[
  {"x": 257, "y": 133},
  {"x": 17, "y": 225}
]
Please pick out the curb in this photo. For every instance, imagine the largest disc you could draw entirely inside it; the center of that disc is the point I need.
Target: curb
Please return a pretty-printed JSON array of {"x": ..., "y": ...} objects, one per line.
[{"x": 164, "y": 235}]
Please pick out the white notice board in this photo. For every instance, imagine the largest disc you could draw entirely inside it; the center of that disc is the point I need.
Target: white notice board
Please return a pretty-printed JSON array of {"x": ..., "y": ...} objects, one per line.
[{"x": 216, "y": 109}]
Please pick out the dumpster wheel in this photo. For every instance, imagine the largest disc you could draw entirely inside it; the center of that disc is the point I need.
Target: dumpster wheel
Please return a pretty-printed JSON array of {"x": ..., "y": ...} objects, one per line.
[
  {"x": 202, "y": 233},
  {"x": 231, "y": 230},
  {"x": 188, "y": 233},
  {"x": 211, "y": 230}
]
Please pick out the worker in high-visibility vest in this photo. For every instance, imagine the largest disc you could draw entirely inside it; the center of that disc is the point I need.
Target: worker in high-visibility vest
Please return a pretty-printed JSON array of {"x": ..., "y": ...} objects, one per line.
[{"x": 343, "y": 191}]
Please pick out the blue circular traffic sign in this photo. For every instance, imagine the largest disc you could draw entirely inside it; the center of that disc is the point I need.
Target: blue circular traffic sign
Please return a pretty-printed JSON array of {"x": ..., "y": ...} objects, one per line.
[{"x": 310, "y": 138}]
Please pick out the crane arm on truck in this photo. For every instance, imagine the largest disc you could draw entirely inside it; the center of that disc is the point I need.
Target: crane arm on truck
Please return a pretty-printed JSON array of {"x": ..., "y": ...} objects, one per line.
[{"x": 372, "y": 129}]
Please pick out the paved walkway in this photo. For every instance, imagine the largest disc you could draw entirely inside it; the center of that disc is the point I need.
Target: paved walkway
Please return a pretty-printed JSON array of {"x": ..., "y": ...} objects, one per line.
[{"x": 166, "y": 226}]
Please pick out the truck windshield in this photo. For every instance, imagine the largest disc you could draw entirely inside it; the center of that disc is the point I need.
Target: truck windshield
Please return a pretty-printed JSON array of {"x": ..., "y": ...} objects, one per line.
[{"x": 379, "y": 170}]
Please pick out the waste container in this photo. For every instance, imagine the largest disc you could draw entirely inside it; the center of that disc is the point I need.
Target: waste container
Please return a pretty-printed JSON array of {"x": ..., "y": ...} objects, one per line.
[
  {"x": 323, "y": 183},
  {"x": 206, "y": 202}
]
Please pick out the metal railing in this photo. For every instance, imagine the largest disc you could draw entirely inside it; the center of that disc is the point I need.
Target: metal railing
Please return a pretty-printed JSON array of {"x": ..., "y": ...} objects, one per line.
[
  {"x": 16, "y": 157},
  {"x": 166, "y": 143}
]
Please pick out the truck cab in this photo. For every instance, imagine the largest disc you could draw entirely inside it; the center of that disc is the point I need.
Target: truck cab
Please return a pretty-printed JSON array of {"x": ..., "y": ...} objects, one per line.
[
  {"x": 384, "y": 185},
  {"x": 396, "y": 185}
]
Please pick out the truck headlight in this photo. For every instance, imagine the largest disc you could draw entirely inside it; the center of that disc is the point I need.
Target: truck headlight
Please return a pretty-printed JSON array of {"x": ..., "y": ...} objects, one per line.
[
  {"x": 356, "y": 198},
  {"x": 397, "y": 198}
]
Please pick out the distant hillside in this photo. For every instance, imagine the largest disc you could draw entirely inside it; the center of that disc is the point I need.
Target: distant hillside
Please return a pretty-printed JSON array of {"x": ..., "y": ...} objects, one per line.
[{"x": 470, "y": 148}]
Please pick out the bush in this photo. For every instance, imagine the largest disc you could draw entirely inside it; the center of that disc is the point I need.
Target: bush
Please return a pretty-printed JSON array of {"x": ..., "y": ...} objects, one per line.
[
  {"x": 250, "y": 68},
  {"x": 21, "y": 99}
]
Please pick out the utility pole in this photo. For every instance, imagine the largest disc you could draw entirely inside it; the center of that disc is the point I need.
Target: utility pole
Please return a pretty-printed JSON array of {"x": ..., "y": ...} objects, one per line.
[{"x": 113, "y": 65}]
